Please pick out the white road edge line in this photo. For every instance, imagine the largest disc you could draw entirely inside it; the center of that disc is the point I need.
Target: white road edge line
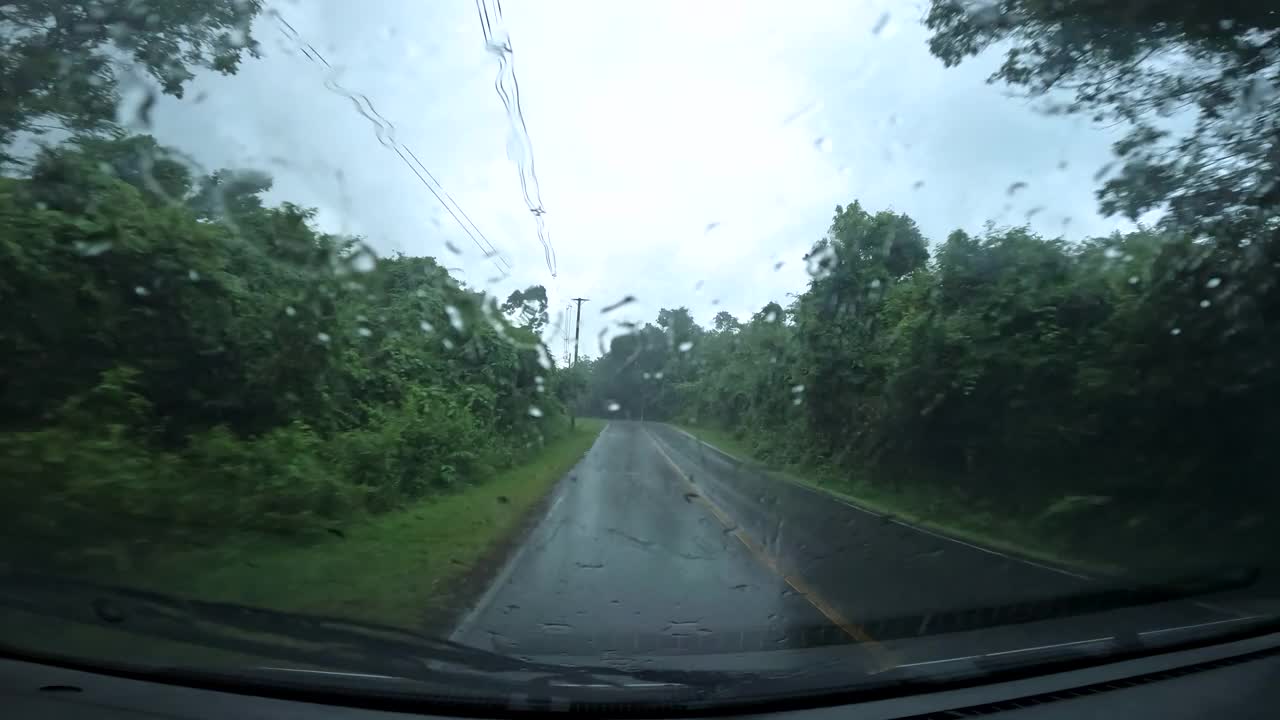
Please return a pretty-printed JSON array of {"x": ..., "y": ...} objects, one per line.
[
  {"x": 1200, "y": 625},
  {"x": 1034, "y": 648},
  {"x": 962, "y": 658},
  {"x": 1212, "y": 607},
  {"x": 328, "y": 672},
  {"x": 1215, "y": 607},
  {"x": 997, "y": 553},
  {"x": 896, "y": 521},
  {"x": 469, "y": 620},
  {"x": 731, "y": 456},
  {"x": 1079, "y": 642}
]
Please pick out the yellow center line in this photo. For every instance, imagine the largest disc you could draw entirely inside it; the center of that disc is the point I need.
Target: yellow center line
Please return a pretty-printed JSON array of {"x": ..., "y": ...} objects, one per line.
[{"x": 796, "y": 583}]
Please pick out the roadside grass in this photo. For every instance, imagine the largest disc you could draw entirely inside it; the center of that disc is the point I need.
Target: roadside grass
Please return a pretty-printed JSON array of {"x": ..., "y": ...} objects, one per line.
[
  {"x": 949, "y": 513},
  {"x": 403, "y": 568},
  {"x": 397, "y": 569}
]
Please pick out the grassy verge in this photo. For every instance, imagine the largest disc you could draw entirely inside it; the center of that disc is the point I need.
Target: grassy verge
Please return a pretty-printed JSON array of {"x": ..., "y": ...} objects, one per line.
[
  {"x": 949, "y": 513},
  {"x": 396, "y": 569}
]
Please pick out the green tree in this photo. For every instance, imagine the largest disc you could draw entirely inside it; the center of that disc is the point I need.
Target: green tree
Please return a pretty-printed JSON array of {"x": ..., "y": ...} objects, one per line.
[
  {"x": 60, "y": 61},
  {"x": 1096, "y": 393},
  {"x": 173, "y": 376},
  {"x": 1140, "y": 63},
  {"x": 529, "y": 307},
  {"x": 724, "y": 322},
  {"x": 837, "y": 318}
]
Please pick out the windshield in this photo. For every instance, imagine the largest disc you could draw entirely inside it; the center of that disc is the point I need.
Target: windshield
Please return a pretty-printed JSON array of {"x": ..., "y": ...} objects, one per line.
[{"x": 643, "y": 348}]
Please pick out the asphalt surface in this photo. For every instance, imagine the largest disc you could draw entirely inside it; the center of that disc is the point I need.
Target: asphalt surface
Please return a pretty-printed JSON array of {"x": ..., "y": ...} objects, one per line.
[{"x": 657, "y": 544}]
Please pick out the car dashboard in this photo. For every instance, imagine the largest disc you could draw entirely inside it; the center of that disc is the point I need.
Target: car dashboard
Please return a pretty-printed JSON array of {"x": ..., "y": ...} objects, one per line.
[{"x": 1236, "y": 679}]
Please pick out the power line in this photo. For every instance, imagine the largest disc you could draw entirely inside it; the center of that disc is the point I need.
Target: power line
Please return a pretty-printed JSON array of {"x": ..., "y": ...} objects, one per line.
[
  {"x": 493, "y": 250},
  {"x": 386, "y": 136},
  {"x": 498, "y": 42},
  {"x": 490, "y": 253}
]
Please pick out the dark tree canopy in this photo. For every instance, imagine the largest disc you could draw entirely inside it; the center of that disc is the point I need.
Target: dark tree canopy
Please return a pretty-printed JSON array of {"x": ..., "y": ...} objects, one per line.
[
  {"x": 724, "y": 322},
  {"x": 61, "y": 61},
  {"x": 243, "y": 373},
  {"x": 1149, "y": 65},
  {"x": 1098, "y": 391},
  {"x": 529, "y": 307}
]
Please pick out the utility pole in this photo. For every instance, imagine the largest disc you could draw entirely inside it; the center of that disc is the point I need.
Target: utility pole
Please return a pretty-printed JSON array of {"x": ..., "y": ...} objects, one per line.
[{"x": 577, "y": 331}]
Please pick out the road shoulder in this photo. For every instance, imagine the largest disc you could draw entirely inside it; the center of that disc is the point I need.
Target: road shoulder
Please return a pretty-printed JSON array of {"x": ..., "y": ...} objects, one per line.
[
  {"x": 476, "y": 589},
  {"x": 417, "y": 567},
  {"x": 896, "y": 512}
]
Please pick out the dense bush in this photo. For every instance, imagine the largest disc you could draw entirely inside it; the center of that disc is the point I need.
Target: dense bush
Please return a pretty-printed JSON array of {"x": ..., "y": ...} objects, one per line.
[
  {"x": 1115, "y": 393},
  {"x": 183, "y": 361}
]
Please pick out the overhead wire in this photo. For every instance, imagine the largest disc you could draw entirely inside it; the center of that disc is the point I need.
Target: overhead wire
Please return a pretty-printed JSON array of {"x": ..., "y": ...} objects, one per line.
[
  {"x": 385, "y": 132},
  {"x": 491, "y": 253},
  {"x": 493, "y": 250},
  {"x": 498, "y": 42}
]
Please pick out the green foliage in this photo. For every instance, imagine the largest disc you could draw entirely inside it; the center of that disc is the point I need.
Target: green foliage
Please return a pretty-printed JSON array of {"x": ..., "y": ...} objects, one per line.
[
  {"x": 59, "y": 60},
  {"x": 413, "y": 567},
  {"x": 185, "y": 361},
  {"x": 1194, "y": 82},
  {"x": 529, "y": 306},
  {"x": 1101, "y": 391}
]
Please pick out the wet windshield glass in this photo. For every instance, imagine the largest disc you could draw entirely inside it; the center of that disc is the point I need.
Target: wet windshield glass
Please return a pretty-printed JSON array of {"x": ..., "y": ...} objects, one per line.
[{"x": 723, "y": 341}]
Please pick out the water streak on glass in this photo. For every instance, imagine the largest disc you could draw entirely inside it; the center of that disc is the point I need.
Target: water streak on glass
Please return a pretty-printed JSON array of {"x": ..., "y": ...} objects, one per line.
[
  {"x": 519, "y": 147},
  {"x": 386, "y": 134}
]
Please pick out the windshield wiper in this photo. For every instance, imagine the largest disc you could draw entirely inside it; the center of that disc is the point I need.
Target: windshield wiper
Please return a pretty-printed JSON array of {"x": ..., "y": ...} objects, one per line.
[
  {"x": 320, "y": 642},
  {"x": 944, "y": 620},
  {"x": 358, "y": 647},
  {"x": 400, "y": 666}
]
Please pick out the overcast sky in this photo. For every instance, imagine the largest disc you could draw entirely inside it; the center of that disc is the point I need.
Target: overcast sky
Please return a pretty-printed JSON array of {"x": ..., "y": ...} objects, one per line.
[{"x": 683, "y": 149}]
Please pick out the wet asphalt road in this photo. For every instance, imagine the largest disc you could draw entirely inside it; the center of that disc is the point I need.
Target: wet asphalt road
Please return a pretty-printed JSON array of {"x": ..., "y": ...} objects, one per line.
[{"x": 658, "y": 544}]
